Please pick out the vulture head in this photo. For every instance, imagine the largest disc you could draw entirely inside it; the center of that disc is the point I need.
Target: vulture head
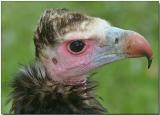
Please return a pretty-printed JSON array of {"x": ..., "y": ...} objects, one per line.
[{"x": 70, "y": 45}]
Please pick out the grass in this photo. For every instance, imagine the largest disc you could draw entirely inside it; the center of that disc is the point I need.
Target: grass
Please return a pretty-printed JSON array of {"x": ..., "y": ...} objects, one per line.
[{"x": 126, "y": 86}]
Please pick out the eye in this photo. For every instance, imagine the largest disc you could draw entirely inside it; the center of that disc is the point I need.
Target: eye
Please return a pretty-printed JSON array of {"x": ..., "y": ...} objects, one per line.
[{"x": 77, "y": 46}]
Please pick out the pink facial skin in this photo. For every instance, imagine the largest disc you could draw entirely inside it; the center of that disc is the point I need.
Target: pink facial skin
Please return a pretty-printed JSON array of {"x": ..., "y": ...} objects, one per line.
[
  {"x": 70, "y": 67},
  {"x": 106, "y": 45}
]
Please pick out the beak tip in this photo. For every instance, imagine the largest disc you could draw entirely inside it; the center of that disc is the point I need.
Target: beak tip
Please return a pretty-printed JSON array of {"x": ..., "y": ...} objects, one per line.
[{"x": 149, "y": 62}]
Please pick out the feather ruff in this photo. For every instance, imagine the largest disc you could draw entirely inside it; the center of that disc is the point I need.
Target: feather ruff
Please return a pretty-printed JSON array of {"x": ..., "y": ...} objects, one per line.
[{"x": 34, "y": 92}]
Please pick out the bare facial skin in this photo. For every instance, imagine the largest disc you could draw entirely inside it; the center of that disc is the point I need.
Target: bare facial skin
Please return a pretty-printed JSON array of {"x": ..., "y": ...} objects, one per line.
[{"x": 83, "y": 45}]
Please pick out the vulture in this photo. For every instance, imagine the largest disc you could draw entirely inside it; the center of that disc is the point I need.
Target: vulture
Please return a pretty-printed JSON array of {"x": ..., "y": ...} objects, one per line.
[{"x": 68, "y": 47}]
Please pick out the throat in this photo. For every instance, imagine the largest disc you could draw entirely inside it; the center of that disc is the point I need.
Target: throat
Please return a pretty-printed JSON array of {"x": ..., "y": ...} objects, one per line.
[
  {"x": 63, "y": 76},
  {"x": 71, "y": 80},
  {"x": 76, "y": 80}
]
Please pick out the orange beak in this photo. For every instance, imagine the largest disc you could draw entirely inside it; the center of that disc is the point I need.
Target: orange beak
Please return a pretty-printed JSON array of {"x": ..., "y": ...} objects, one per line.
[{"x": 136, "y": 46}]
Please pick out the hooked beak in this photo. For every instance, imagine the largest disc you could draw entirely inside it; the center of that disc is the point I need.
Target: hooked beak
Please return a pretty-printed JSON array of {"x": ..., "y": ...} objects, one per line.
[
  {"x": 136, "y": 46},
  {"x": 120, "y": 44}
]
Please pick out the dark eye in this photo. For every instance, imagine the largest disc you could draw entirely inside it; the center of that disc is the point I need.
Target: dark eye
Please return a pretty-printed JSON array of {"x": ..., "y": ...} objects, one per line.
[{"x": 77, "y": 46}]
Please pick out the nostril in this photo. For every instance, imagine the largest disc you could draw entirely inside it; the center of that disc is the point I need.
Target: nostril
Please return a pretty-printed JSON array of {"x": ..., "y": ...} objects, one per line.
[{"x": 116, "y": 41}]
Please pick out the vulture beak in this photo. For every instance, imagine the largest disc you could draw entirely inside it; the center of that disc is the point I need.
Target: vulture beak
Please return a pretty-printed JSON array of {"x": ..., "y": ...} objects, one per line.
[
  {"x": 136, "y": 46},
  {"x": 120, "y": 44}
]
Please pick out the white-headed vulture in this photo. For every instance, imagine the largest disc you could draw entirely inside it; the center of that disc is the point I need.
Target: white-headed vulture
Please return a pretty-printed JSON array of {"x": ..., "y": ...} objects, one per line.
[{"x": 70, "y": 45}]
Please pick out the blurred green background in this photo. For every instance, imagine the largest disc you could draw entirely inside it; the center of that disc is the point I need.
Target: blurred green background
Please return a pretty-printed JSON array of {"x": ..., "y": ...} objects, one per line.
[{"x": 126, "y": 86}]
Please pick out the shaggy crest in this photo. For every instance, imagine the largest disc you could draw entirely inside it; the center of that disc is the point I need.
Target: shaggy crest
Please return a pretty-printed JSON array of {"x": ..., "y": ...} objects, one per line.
[{"x": 54, "y": 23}]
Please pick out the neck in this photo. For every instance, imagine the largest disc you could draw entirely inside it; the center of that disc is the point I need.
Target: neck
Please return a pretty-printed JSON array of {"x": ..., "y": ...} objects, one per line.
[
  {"x": 76, "y": 80},
  {"x": 34, "y": 92}
]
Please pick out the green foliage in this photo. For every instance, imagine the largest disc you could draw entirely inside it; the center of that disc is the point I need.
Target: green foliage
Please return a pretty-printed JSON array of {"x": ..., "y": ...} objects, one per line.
[{"x": 126, "y": 86}]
